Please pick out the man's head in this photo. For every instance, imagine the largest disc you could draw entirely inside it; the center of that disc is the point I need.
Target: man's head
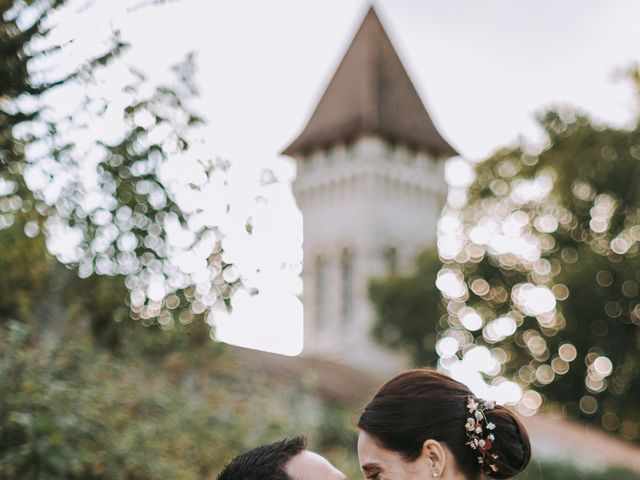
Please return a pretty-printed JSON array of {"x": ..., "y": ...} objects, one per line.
[{"x": 284, "y": 460}]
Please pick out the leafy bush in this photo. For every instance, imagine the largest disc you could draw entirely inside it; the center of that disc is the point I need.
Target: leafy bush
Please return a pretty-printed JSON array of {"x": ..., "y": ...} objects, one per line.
[
  {"x": 171, "y": 407},
  {"x": 71, "y": 410}
]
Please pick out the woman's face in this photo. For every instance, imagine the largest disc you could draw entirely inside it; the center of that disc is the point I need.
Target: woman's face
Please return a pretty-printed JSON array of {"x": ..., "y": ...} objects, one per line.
[{"x": 378, "y": 463}]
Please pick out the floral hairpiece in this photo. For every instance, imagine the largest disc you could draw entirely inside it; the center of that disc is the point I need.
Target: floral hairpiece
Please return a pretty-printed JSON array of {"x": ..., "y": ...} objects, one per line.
[{"x": 476, "y": 425}]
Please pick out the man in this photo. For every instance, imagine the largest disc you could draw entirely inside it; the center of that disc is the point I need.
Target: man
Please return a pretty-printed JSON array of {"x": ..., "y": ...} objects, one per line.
[{"x": 285, "y": 460}]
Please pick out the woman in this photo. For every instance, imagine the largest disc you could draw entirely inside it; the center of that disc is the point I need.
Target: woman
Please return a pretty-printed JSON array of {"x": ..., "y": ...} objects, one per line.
[{"x": 424, "y": 425}]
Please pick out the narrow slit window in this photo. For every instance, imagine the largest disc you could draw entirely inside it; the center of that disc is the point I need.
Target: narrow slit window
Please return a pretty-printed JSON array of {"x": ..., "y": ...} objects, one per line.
[
  {"x": 320, "y": 290},
  {"x": 346, "y": 268},
  {"x": 391, "y": 259}
]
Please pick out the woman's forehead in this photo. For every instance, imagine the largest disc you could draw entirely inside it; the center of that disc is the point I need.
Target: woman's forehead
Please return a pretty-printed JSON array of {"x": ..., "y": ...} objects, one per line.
[{"x": 369, "y": 450}]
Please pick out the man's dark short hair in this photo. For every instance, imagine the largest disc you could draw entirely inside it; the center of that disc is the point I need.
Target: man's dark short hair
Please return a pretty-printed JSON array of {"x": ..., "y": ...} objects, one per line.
[{"x": 266, "y": 462}]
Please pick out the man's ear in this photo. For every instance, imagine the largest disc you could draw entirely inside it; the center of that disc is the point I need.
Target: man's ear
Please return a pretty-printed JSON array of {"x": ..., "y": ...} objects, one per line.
[{"x": 434, "y": 453}]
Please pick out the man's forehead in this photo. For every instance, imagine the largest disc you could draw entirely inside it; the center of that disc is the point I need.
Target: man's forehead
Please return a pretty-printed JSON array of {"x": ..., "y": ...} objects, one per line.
[{"x": 310, "y": 466}]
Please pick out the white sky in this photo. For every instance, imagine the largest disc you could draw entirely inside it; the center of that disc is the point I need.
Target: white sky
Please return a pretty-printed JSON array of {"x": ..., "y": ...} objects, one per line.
[{"x": 483, "y": 68}]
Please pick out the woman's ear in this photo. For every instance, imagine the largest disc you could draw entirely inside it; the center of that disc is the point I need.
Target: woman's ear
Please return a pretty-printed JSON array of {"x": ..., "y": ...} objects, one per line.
[{"x": 434, "y": 453}]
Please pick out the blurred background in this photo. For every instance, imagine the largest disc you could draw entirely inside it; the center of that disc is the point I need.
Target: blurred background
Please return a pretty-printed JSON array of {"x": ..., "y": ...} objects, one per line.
[{"x": 224, "y": 224}]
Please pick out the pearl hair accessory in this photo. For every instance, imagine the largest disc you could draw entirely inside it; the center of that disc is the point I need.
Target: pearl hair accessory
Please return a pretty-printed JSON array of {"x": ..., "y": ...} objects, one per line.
[{"x": 476, "y": 425}]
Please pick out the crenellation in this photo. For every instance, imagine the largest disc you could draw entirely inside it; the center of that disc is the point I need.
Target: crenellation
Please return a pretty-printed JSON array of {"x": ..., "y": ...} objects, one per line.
[{"x": 341, "y": 155}]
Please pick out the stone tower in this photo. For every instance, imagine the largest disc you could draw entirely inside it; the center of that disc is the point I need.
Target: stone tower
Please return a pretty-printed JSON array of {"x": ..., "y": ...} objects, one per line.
[{"x": 370, "y": 185}]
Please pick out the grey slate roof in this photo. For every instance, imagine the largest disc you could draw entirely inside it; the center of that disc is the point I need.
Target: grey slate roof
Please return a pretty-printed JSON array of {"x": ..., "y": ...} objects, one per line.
[{"x": 370, "y": 92}]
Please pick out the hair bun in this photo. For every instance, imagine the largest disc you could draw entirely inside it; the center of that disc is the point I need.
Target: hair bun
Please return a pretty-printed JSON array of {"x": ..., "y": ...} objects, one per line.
[
  {"x": 423, "y": 404},
  {"x": 511, "y": 444}
]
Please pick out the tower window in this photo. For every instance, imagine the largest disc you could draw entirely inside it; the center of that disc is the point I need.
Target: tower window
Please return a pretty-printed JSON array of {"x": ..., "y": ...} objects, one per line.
[
  {"x": 346, "y": 270},
  {"x": 350, "y": 145},
  {"x": 320, "y": 290},
  {"x": 392, "y": 146},
  {"x": 330, "y": 154},
  {"x": 391, "y": 260}
]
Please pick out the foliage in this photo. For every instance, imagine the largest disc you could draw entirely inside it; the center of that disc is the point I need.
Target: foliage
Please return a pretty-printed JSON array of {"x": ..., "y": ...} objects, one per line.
[
  {"x": 545, "y": 274},
  {"x": 27, "y": 271},
  {"x": 97, "y": 178},
  {"x": 171, "y": 408},
  {"x": 408, "y": 308},
  {"x": 69, "y": 410},
  {"x": 40, "y": 291}
]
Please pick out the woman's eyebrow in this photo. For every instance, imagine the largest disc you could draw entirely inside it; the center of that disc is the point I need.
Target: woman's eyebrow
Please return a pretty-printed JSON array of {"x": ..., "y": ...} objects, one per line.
[{"x": 370, "y": 466}]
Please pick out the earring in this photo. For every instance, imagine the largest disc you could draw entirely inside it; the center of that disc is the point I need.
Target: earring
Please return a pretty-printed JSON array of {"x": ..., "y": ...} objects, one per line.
[{"x": 435, "y": 474}]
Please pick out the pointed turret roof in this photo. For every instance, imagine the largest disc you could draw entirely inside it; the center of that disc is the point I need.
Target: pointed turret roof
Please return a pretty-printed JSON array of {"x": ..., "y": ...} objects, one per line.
[{"x": 370, "y": 92}]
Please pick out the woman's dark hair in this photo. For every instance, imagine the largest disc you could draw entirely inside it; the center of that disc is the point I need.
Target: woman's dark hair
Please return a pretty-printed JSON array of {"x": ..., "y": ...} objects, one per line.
[{"x": 423, "y": 404}]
